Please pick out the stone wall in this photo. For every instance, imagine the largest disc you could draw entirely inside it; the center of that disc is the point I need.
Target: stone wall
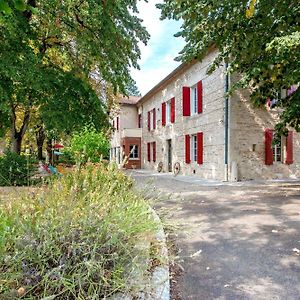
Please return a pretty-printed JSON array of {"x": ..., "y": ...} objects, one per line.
[
  {"x": 210, "y": 122},
  {"x": 247, "y": 140}
]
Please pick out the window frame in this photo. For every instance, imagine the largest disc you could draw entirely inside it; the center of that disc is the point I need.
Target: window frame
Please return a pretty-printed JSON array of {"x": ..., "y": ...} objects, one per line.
[
  {"x": 194, "y": 99},
  {"x": 134, "y": 155},
  {"x": 193, "y": 148}
]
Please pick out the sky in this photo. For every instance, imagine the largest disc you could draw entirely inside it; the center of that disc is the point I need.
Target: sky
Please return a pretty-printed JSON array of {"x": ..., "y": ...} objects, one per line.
[{"x": 157, "y": 58}]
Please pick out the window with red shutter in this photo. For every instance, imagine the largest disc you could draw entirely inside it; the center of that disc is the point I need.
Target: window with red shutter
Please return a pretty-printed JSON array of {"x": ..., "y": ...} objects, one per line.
[
  {"x": 149, "y": 120},
  {"x": 163, "y": 114},
  {"x": 289, "y": 148},
  {"x": 186, "y": 103},
  {"x": 148, "y": 151},
  {"x": 154, "y": 118},
  {"x": 154, "y": 151},
  {"x": 268, "y": 147},
  {"x": 200, "y": 96},
  {"x": 187, "y": 149},
  {"x": 117, "y": 123},
  {"x": 173, "y": 110},
  {"x": 200, "y": 148}
]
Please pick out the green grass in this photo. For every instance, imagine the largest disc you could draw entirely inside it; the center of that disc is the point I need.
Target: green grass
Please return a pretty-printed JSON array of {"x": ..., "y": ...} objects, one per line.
[{"x": 79, "y": 239}]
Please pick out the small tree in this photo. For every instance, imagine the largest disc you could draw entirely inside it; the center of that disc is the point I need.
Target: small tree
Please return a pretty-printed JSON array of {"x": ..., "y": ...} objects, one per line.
[{"x": 89, "y": 145}]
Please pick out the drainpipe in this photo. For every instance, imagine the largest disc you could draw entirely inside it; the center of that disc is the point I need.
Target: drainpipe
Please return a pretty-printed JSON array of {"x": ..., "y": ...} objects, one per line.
[{"x": 226, "y": 133}]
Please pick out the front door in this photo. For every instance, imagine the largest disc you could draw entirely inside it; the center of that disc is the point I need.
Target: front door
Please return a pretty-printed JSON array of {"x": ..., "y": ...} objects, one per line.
[{"x": 169, "y": 147}]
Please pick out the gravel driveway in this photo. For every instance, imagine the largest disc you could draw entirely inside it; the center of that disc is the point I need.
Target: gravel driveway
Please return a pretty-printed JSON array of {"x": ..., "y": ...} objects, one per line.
[{"x": 239, "y": 241}]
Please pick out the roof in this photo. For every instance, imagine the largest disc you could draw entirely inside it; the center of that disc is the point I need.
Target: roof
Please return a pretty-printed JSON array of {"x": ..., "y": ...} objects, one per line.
[
  {"x": 129, "y": 100},
  {"x": 174, "y": 74}
]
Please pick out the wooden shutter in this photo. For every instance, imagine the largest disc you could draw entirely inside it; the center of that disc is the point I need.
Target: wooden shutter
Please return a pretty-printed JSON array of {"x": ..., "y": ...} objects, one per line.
[
  {"x": 149, "y": 120},
  {"x": 186, "y": 101},
  {"x": 154, "y": 151},
  {"x": 148, "y": 151},
  {"x": 200, "y": 96},
  {"x": 268, "y": 147},
  {"x": 289, "y": 148},
  {"x": 117, "y": 123},
  {"x": 154, "y": 118},
  {"x": 187, "y": 149},
  {"x": 173, "y": 110},
  {"x": 200, "y": 148},
  {"x": 163, "y": 114}
]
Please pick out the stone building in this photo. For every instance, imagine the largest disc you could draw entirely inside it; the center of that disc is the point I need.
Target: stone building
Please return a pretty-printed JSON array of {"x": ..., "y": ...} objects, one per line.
[
  {"x": 126, "y": 138},
  {"x": 190, "y": 127}
]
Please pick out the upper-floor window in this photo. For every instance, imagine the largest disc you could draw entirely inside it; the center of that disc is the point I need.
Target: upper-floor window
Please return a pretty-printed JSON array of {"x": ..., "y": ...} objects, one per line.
[
  {"x": 140, "y": 122},
  {"x": 168, "y": 112},
  {"x": 152, "y": 119},
  {"x": 194, "y": 100}
]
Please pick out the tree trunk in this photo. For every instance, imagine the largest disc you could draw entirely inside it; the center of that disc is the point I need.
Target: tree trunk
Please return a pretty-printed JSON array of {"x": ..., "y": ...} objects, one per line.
[
  {"x": 16, "y": 143},
  {"x": 40, "y": 138},
  {"x": 49, "y": 150},
  {"x": 17, "y": 136}
]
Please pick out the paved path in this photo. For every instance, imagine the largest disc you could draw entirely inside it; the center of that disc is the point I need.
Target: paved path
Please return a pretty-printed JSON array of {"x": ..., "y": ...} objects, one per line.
[{"x": 235, "y": 241}]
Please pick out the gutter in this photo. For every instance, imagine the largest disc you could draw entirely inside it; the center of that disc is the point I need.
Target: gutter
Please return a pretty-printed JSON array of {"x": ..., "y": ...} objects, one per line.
[{"x": 226, "y": 121}]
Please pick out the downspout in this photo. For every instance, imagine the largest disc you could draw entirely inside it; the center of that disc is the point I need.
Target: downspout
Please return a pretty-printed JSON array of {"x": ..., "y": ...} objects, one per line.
[{"x": 226, "y": 127}]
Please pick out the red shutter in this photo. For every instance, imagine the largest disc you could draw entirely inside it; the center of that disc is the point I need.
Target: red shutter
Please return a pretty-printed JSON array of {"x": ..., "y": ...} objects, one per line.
[
  {"x": 187, "y": 149},
  {"x": 200, "y": 148},
  {"x": 173, "y": 110},
  {"x": 149, "y": 120},
  {"x": 148, "y": 151},
  {"x": 200, "y": 96},
  {"x": 268, "y": 147},
  {"x": 186, "y": 103},
  {"x": 154, "y": 118},
  {"x": 163, "y": 114},
  {"x": 154, "y": 151},
  {"x": 117, "y": 123},
  {"x": 289, "y": 148}
]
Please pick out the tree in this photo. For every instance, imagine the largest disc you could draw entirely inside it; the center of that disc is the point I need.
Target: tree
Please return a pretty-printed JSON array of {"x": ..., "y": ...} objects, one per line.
[
  {"x": 132, "y": 90},
  {"x": 48, "y": 50},
  {"x": 260, "y": 40}
]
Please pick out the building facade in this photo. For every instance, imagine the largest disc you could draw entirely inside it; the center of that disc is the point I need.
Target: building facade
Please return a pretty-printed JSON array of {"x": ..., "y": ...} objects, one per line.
[
  {"x": 126, "y": 137},
  {"x": 190, "y": 127}
]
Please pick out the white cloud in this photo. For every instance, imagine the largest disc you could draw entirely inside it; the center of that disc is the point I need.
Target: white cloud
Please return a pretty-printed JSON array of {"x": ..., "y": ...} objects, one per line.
[{"x": 157, "y": 59}]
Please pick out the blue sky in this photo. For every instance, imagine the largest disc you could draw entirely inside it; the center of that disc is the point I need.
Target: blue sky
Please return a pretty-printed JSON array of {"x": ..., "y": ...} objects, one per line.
[{"x": 157, "y": 59}]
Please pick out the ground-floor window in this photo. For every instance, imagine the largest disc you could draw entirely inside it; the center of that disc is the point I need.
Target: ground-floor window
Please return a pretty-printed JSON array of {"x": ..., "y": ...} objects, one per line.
[
  {"x": 134, "y": 151},
  {"x": 277, "y": 151},
  {"x": 194, "y": 147}
]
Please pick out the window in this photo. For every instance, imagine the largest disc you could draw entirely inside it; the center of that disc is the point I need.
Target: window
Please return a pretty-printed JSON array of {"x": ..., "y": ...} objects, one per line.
[
  {"x": 194, "y": 100},
  {"x": 140, "y": 121},
  {"x": 277, "y": 151},
  {"x": 152, "y": 119},
  {"x": 168, "y": 112},
  {"x": 134, "y": 151},
  {"x": 194, "y": 147}
]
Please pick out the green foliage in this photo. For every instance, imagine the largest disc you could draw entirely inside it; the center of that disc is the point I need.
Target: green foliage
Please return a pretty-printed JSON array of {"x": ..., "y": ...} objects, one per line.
[
  {"x": 49, "y": 50},
  {"x": 262, "y": 46},
  {"x": 79, "y": 239},
  {"x": 15, "y": 169},
  {"x": 89, "y": 145}
]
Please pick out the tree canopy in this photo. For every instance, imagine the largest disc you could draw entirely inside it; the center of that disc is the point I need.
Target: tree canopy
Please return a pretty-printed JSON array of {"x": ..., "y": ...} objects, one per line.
[
  {"x": 260, "y": 39},
  {"x": 49, "y": 51}
]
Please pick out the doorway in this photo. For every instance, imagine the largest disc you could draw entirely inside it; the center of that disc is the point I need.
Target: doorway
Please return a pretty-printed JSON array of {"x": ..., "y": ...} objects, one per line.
[{"x": 169, "y": 148}]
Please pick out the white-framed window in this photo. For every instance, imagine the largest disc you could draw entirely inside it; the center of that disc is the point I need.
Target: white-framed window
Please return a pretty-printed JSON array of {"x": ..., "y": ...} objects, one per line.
[
  {"x": 194, "y": 147},
  {"x": 278, "y": 150},
  {"x": 134, "y": 151},
  {"x": 168, "y": 112},
  {"x": 194, "y": 100}
]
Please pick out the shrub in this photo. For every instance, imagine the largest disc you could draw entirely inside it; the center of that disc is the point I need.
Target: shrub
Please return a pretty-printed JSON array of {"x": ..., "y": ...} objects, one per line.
[
  {"x": 89, "y": 145},
  {"x": 80, "y": 239},
  {"x": 15, "y": 169}
]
